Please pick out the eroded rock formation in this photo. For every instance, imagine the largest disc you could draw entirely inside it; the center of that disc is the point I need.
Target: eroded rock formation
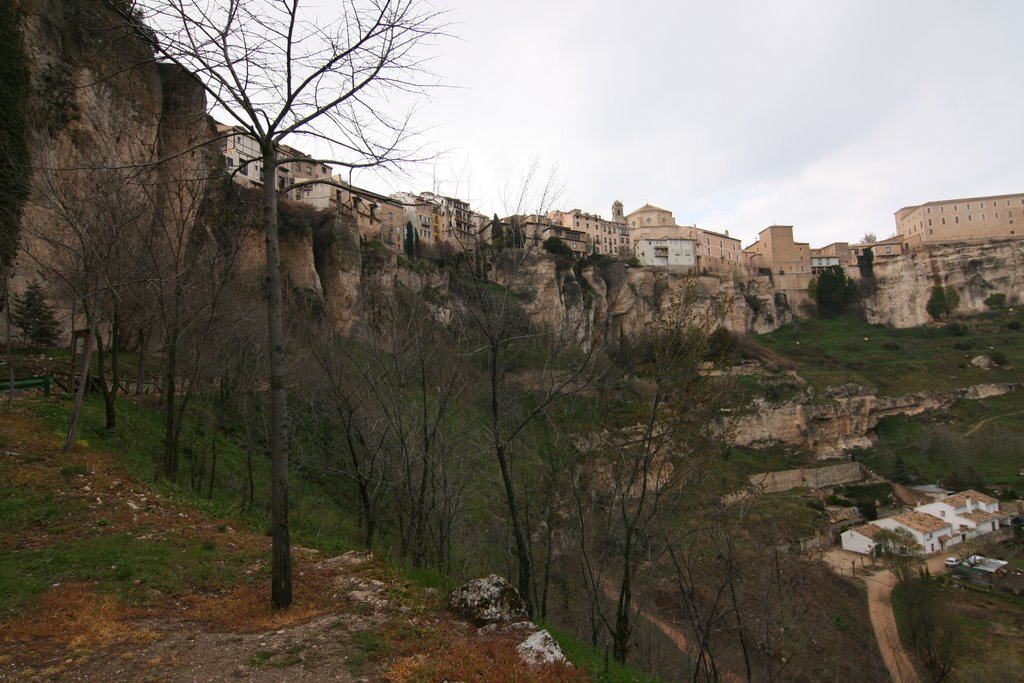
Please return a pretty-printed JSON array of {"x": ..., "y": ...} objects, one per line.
[{"x": 843, "y": 418}]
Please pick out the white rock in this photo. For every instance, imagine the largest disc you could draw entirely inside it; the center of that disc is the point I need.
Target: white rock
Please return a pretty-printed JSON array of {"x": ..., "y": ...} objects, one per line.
[{"x": 540, "y": 649}]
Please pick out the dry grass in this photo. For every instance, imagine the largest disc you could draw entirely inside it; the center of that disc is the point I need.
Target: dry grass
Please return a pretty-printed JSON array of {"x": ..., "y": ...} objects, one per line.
[
  {"x": 75, "y": 617},
  {"x": 476, "y": 659}
]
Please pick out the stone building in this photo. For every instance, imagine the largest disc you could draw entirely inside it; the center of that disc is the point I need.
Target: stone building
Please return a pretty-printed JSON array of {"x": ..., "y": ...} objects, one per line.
[
  {"x": 667, "y": 252},
  {"x": 776, "y": 251},
  {"x": 604, "y": 236},
  {"x": 242, "y": 159},
  {"x": 958, "y": 220},
  {"x": 714, "y": 251}
]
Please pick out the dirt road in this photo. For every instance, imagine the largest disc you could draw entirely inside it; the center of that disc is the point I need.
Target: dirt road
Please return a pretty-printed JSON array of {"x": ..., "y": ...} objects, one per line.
[
  {"x": 883, "y": 621},
  {"x": 896, "y": 659}
]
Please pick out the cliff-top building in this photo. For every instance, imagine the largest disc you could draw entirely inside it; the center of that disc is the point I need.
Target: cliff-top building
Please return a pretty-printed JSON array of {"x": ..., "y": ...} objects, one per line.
[
  {"x": 713, "y": 251},
  {"x": 603, "y": 236},
  {"x": 957, "y": 220}
]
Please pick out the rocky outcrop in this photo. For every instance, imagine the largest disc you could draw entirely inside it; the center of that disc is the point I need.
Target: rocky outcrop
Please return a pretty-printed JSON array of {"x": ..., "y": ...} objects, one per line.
[
  {"x": 903, "y": 284},
  {"x": 102, "y": 114},
  {"x": 490, "y": 600},
  {"x": 611, "y": 302},
  {"x": 841, "y": 419}
]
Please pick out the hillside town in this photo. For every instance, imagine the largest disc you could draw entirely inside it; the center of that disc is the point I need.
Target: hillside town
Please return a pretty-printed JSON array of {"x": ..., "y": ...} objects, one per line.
[{"x": 425, "y": 222}]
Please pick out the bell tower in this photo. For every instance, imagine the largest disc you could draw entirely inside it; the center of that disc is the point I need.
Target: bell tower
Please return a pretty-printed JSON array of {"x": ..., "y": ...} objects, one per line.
[{"x": 617, "y": 215}]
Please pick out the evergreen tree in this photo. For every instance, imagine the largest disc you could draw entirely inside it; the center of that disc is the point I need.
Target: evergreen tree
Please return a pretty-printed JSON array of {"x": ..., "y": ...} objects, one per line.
[
  {"x": 34, "y": 317},
  {"x": 937, "y": 305},
  {"x": 835, "y": 292},
  {"x": 952, "y": 299}
]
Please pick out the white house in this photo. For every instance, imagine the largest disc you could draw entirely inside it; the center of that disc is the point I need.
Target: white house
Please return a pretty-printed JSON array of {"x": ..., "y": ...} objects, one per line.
[
  {"x": 934, "y": 526},
  {"x": 970, "y": 514},
  {"x": 860, "y": 539},
  {"x": 667, "y": 252}
]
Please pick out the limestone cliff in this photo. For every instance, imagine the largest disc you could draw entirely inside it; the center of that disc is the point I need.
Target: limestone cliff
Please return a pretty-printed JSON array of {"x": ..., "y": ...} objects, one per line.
[
  {"x": 841, "y": 419},
  {"x": 611, "y": 302},
  {"x": 101, "y": 113},
  {"x": 904, "y": 283}
]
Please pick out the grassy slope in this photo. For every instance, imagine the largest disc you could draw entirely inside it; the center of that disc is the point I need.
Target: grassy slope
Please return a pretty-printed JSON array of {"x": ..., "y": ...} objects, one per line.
[
  {"x": 94, "y": 521},
  {"x": 977, "y": 442},
  {"x": 832, "y": 352}
]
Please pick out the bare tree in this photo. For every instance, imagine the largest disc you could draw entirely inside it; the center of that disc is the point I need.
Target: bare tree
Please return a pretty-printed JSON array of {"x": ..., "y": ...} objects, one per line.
[
  {"x": 88, "y": 213},
  {"x": 281, "y": 70},
  {"x": 629, "y": 473}
]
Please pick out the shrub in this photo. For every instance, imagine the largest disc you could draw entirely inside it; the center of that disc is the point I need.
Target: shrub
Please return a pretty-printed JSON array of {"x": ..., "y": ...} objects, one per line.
[
  {"x": 996, "y": 301},
  {"x": 554, "y": 245},
  {"x": 958, "y": 329},
  {"x": 963, "y": 345},
  {"x": 998, "y": 357},
  {"x": 891, "y": 346},
  {"x": 1014, "y": 325}
]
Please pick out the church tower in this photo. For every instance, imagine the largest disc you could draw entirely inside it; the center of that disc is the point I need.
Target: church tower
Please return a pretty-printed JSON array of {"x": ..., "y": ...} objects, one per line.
[{"x": 617, "y": 215}]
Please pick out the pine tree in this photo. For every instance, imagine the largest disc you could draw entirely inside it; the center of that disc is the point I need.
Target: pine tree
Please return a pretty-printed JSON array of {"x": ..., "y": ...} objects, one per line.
[{"x": 34, "y": 317}]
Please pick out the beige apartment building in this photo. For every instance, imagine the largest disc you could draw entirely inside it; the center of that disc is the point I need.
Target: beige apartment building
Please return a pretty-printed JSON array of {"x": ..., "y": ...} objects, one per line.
[
  {"x": 242, "y": 160},
  {"x": 957, "y": 220},
  {"x": 835, "y": 254},
  {"x": 605, "y": 237},
  {"x": 719, "y": 252},
  {"x": 776, "y": 251},
  {"x": 536, "y": 229},
  {"x": 714, "y": 251}
]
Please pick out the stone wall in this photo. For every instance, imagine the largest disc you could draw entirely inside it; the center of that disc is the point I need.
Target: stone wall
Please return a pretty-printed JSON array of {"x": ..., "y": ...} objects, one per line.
[{"x": 812, "y": 478}]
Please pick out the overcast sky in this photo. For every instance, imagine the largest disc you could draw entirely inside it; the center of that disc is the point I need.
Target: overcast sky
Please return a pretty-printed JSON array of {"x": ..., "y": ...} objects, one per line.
[{"x": 825, "y": 115}]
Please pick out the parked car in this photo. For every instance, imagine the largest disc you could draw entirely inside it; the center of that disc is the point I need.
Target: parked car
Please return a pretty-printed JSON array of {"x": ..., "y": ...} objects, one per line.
[
  {"x": 1018, "y": 520},
  {"x": 975, "y": 560},
  {"x": 952, "y": 562}
]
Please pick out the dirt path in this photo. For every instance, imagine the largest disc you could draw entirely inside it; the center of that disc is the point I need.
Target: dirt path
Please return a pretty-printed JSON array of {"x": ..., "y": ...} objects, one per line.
[
  {"x": 883, "y": 622},
  {"x": 671, "y": 632},
  {"x": 896, "y": 659},
  {"x": 989, "y": 419}
]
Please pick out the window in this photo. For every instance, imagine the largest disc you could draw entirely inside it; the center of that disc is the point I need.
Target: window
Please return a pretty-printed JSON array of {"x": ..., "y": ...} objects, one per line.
[
  {"x": 943, "y": 220},
  {"x": 956, "y": 219},
  {"x": 929, "y": 221},
  {"x": 968, "y": 216}
]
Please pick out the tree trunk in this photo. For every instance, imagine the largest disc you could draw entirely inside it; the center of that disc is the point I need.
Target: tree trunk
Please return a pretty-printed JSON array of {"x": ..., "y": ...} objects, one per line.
[
  {"x": 620, "y": 638},
  {"x": 170, "y": 461},
  {"x": 522, "y": 541},
  {"x": 143, "y": 341},
  {"x": 10, "y": 351},
  {"x": 76, "y": 407},
  {"x": 109, "y": 408},
  {"x": 281, "y": 564}
]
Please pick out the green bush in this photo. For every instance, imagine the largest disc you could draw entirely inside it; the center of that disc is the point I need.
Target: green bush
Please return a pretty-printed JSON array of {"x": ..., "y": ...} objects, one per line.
[
  {"x": 958, "y": 329},
  {"x": 996, "y": 301},
  {"x": 998, "y": 357},
  {"x": 1014, "y": 325}
]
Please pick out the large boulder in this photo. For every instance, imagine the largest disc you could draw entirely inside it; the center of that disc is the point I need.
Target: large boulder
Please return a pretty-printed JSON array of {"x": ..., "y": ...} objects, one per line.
[
  {"x": 490, "y": 600},
  {"x": 540, "y": 649}
]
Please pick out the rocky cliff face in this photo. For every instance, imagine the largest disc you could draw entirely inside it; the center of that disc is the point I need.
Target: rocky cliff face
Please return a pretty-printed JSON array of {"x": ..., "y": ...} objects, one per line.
[
  {"x": 844, "y": 418},
  {"x": 613, "y": 302},
  {"x": 101, "y": 113},
  {"x": 904, "y": 283}
]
